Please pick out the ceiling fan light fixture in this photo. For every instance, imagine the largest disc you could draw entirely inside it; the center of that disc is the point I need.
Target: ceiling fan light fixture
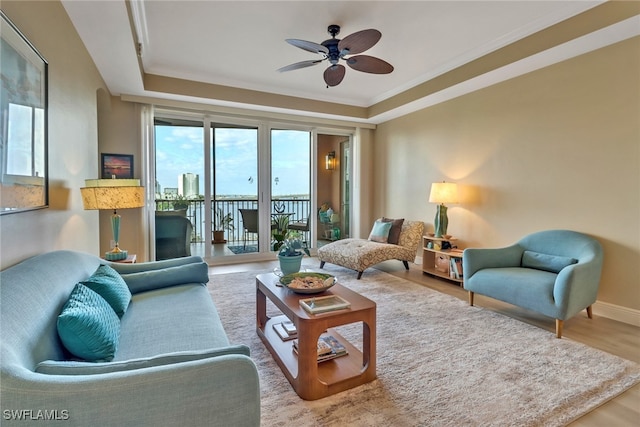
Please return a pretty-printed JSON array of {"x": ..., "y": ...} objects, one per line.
[{"x": 334, "y": 50}]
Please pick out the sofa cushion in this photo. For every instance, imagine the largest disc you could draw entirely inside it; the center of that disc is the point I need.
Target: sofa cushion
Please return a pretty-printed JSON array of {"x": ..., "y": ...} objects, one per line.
[
  {"x": 552, "y": 263},
  {"x": 56, "y": 367},
  {"x": 394, "y": 231},
  {"x": 525, "y": 287},
  {"x": 110, "y": 286},
  {"x": 171, "y": 319},
  {"x": 380, "y": 231},
  {"x": 88, "y": 327},
  {"x": 196, "y": 272}
]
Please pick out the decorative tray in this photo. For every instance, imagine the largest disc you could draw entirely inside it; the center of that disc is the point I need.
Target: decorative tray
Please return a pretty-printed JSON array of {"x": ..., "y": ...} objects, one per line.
[{"x": 308, "y": 283}]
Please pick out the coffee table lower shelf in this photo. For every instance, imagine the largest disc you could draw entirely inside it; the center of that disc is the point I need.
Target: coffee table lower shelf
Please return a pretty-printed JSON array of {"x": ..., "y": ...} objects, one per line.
[{"x": 336, "y": 375}]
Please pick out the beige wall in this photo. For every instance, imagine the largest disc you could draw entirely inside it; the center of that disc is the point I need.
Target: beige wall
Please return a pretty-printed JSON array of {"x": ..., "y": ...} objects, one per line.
[
  {"x": 73, "y": 156},
  {"x": 556, "y": 148},
  {"x": 118, "y": 124}
]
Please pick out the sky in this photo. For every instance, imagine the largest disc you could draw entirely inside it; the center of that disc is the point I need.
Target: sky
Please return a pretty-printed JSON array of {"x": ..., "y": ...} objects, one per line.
[{"x": 179, "y": 150}]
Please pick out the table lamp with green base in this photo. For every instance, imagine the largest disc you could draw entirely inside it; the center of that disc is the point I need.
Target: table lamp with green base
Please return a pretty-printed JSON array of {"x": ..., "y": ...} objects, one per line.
[
  {"x": 113, "y": 194},
  {"x": 441, "y": 193}
]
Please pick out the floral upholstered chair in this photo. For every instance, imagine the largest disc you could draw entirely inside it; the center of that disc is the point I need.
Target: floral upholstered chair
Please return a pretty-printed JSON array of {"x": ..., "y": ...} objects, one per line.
[{"x": 399, "y": 240}]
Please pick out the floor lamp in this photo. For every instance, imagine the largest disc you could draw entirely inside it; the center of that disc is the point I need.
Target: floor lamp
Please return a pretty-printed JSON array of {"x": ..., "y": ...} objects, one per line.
[
  {"x": 113, "y": 194},
  {"x": 441, "y": 193}
]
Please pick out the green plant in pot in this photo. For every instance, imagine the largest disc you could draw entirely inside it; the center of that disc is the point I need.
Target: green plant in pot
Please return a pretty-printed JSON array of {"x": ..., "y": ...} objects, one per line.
[
  {"x": 180, "y": 203},
  {"x": 290, "y": 253},
  {"x": 221, "y": 222},
  {"x": 280, "y": 232}
]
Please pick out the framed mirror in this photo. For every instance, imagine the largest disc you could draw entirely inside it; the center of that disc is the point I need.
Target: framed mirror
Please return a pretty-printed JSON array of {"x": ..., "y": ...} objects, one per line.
[{"x": 23, "y": 123}]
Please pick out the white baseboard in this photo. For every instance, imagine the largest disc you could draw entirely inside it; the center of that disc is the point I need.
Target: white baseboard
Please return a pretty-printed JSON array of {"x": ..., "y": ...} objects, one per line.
[{"x": 617, "y": 312}]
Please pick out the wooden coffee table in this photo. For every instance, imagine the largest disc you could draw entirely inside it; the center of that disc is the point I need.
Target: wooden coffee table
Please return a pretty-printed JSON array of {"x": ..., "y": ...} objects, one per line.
[{"x": 310, "y": 379}]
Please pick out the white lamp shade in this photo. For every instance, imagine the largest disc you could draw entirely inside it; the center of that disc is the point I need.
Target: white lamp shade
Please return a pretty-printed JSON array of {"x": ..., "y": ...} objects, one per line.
[{"x": 443, "y": 192}]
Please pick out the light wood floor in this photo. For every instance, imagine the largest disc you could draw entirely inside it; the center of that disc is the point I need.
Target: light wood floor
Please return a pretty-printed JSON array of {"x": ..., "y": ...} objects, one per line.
[{"x": 605, "y": 334}]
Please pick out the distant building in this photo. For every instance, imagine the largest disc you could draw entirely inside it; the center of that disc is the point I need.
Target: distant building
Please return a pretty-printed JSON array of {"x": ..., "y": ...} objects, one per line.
[
  {"x": 188, "y": 185},
  {"x": 170, "y": 192}
]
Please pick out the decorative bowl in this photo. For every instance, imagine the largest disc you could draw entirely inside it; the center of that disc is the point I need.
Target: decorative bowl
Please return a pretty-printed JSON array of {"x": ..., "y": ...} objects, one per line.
[{"x": 308, "y": 282}]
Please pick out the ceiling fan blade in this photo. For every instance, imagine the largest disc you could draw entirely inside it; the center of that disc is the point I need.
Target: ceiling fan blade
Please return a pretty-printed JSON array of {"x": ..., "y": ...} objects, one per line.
[
  {"x": 298, "y": 65},
  {"x": 359, "y": 42},
  {"x": 334, "y": 75},
  {"x": 369, "y": 64},
  {"x": 308, "y": 46}
]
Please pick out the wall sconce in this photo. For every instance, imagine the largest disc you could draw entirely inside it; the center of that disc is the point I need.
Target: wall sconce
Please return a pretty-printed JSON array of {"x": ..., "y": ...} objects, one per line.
[{"x": 330, "y": 161}]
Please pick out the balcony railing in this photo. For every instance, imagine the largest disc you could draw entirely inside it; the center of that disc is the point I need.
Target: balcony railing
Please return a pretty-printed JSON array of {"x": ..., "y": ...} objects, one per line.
[{"x": 297, "y": 208}]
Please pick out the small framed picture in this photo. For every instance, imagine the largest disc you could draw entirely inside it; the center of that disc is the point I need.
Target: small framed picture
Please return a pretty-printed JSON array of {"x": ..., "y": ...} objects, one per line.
[{"x": 119, "y": 166}]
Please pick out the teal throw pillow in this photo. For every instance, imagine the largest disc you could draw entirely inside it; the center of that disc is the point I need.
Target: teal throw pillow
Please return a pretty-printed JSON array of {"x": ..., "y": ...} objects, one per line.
[
  {"x": 110, "y": 286},
  {"x": 552, "y": 263},
  {"x": 380, "y": 231},
  {"x": 88, "y": 327}
]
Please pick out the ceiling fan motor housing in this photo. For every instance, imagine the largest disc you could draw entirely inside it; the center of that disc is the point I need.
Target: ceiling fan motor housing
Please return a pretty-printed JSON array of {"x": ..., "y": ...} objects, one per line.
[{"x": 334, "y": 53}]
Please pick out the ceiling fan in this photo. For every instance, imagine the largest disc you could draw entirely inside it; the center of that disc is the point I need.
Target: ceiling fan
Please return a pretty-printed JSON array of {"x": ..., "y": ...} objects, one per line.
[{"x": 335, "y": 49}]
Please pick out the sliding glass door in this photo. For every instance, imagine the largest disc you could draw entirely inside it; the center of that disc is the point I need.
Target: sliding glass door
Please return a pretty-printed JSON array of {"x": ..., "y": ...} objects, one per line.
[
  {"x": 179, "y": 186},
  {"x": 234, "y": 195},
  {"x": 242, "y": 185},
  {"x": 290, "y": 184}
]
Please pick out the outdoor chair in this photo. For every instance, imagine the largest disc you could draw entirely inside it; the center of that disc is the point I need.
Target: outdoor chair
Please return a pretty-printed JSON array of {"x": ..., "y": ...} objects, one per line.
[
  {"x": 249, "y": 223},
  {"x": 173, "y": 236},
  {"x": 302, "y": 226}
]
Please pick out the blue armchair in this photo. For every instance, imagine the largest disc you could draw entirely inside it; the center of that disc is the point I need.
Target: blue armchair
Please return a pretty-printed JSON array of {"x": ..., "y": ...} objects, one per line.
[
  {"x": 555, "y": 273},
  {"x": 173, "y": 236}
]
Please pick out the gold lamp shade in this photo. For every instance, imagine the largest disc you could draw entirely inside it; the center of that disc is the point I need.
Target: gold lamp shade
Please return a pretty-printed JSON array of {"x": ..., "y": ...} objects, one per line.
[
  {"x": 108, "y": 194},
  {"x": 113, "y": 194}
]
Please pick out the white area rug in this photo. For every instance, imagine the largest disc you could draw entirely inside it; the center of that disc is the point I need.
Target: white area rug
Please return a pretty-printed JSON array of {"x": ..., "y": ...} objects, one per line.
[{"x": 440, "y": 362}]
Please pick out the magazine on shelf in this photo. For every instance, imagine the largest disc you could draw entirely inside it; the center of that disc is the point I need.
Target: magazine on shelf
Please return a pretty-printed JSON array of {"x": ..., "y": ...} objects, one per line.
[
  {"x": 316, "y": 305},
  {"x": 328, "y": 348},
  {"x": 336, "y": 346},
  {"x": 282, "y": 332}
]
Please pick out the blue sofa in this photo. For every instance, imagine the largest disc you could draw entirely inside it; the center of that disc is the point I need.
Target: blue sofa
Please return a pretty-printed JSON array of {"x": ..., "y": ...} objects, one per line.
[
  {"x": 554, "y": 272},
  {"x": 174, "y": 364}
]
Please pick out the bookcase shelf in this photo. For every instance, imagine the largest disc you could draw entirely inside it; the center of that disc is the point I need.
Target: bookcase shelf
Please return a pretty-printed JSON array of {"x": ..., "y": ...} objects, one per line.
[{"x": 438, "y": 262}]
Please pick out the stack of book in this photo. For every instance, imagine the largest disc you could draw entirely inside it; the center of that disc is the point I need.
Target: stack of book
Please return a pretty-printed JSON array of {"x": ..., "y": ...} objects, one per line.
[
  {"x": 286, "y": 330},
  {"x": 328, "y": 348},
  {"x": 455, "y": 268}
]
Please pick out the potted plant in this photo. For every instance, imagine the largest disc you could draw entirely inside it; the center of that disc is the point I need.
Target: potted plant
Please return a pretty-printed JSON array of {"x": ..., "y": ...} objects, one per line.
[
  {"x": 180, "y": 203},
  {"x": 290, "y": 253},
  {"x": 221, "y": 222}
]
